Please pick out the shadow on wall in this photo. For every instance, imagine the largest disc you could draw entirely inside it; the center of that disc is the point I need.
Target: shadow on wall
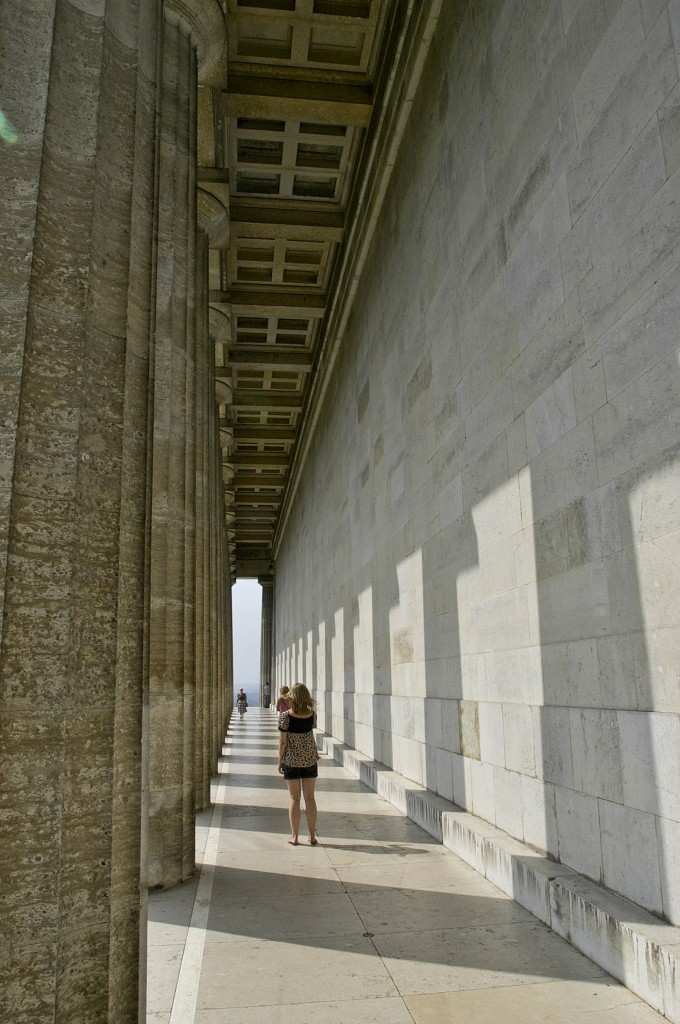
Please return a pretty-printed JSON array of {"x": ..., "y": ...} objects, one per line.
[{"x": 561, "y": 722}]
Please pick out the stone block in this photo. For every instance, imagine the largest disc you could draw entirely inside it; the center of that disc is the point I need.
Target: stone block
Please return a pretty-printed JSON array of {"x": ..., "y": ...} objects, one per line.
[
  {"x": 575, "y": 605},
  {"x": 551, "y": 416},
  {"x": 491, "y": 743},
  {"x": 576, "y": 259},
  {"x": 565, "y": 471},
  {"x": 517, "y": 445},
  {"x": 627, "y": 271},
  {"x": 578, "y": 832},
  {"x": 539, "y": 243},
  {"x": 462, "y": 784},
  {"x": 444, "y": 773},
  {"x": 668, "y": 834},
  {"x": 584, "y": 27},
  {"x": 482, "y": 794},
  {"x": 549, "y": 354},
  {"x": 669, "y": 126},
  {"x": 497, "y": 566},
  {"x": 616, "y": 671},
  {"x": 518, "y": 738},
  {"x": 469, "y": 729},
  {"x": 630, "y": 855},
  {"x": 589, "y": 383},
  {"x": 651, "y": 12},
  {"x": 650, "y": 761},
  {"x": 538, "y": 815},
  {"x": 450, "y": 726},
  {"x": 635, "y": 180},
  {"x": 481, "y": 476},
  {"x": 638, "y": 93},
  {"x": 610, "y": 60},
  {"x": 595, "y": 753},
  {"x": 489, "y": 418},
  {"x": 570, "y": 673},
  {"x": 507, "y": 789},
  {"x": 655, "y": 660},
  {"x": 644, "y": 336},
  {"x": 562, "y": 540},
  {"x": 543, "y": 296},
  {"x": 552, "y": 738},
  {"x": 503, "y": 621}
]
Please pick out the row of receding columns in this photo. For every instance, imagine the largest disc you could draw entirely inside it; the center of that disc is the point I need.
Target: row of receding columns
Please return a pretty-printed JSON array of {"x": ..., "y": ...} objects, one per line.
[
  {"x": 267, "y": 637},
  {"x": 115, "y": 635}
]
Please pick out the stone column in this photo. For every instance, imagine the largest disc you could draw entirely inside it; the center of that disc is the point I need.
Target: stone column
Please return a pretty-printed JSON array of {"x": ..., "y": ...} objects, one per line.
[
  {"x": 77, "y": 231},
  {"x": 266, "y": 636},
  {"x": 205, "y": 402},
  {"x": 193, "y": 34}
]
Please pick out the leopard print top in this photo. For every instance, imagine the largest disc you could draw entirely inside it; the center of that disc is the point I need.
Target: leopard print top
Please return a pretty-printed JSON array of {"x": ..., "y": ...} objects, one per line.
[{"x": 300, "y": 751}]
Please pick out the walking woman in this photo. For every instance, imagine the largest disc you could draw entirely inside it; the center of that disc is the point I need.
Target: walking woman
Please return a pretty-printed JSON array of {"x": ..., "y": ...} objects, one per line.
[
  {"x": 241, "y": 703},
  {"x": 283, "y": 703},
  {"x": 298, "y": 758}
]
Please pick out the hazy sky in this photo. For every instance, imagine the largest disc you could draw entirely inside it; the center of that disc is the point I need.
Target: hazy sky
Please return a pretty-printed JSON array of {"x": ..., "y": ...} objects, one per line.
[{"x": 246, "y": 596}]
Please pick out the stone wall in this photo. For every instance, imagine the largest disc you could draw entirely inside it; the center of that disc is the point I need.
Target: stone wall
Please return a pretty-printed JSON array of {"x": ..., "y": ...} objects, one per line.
[{"x": 480, "y": 574}]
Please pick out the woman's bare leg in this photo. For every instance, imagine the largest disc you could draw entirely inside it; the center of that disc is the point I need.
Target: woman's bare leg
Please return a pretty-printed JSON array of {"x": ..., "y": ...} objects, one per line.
[
  {"x": 294, "y": 809},
  {"x": 310, "y": 807}
]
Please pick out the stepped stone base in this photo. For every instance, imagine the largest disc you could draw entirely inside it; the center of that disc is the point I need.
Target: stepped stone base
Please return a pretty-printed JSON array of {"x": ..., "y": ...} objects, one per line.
[{"x": 637, "y": 948}]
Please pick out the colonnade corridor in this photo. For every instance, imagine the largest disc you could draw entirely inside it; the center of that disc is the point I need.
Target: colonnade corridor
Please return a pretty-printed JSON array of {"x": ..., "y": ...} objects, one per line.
[{"x": 378, "y": 923}]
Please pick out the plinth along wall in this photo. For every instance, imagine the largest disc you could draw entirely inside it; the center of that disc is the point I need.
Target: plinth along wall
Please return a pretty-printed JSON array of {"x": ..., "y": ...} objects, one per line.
[
  {"x": 107, "y": 477},
  {"x": 479, "y": 575}
]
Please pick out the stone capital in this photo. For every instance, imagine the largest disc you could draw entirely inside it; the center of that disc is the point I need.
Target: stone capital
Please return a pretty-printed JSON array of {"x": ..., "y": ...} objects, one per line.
[
  {"x": 213, "y": 217},
  {"x": 204, "y": 22}
]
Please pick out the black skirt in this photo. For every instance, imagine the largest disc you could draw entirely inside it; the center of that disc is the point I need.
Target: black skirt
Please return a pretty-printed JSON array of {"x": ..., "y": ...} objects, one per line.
[{"x": 301, "y": 773}]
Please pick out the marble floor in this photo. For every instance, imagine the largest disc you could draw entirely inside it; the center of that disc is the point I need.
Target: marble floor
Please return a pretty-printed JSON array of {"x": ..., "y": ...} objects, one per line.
[{"x": 378, "y": 924}]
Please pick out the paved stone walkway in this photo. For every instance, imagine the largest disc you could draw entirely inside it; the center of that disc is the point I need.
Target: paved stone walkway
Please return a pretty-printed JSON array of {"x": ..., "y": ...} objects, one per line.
[{"x": 379, "y": 924}]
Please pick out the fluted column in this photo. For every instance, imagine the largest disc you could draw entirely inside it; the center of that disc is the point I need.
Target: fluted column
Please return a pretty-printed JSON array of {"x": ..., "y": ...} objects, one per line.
[
  {"x": 267, "y": 636},
  {"x": 171, "y": 836},
  {"x": 205, "y": 402},
  {"x": 78, "y": 230},
  {"x": 193, "y": 33}
]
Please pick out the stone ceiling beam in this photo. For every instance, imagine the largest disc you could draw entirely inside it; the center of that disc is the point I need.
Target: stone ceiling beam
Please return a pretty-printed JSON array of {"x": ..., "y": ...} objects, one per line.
[
  {"x": 270, "y": 303},
  {"x": 288, "y": 402},
  {"x": 255, "y": 498},
  {"x": 257, "y": 359},
  {"x": 249, "y": 480},
  {"x": 259, "y": 460},
  {"x": 293, "y": 223},
  {"x": 213, "y": 175},
  {"x": 247, "y": 432},
  {"x": 297, "y": 100}
]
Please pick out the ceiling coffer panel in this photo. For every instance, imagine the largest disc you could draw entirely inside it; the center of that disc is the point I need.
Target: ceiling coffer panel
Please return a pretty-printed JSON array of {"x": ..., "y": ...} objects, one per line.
[{"x": 281, "y": 138}]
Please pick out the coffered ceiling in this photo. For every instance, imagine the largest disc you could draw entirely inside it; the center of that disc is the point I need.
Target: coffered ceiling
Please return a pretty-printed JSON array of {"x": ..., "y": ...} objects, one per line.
[{"x": 284, "y": 134}]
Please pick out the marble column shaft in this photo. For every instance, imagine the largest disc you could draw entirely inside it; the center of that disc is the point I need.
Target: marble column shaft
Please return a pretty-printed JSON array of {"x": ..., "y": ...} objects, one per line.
[
  {"x": 75, "y": 356},
  {"x": 205, "y": 401},
  {"x": 171, "y": 755},
  {"x": 266, "y": 636}
]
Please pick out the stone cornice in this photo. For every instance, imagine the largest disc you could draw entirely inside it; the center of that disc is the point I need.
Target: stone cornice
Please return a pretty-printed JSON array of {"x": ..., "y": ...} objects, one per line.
[{"x": 413, "y": 38}]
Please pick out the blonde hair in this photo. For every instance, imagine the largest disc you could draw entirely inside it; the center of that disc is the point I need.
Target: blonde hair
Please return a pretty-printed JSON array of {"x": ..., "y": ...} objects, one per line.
[
  {"x": 301, "y": 700},
  {"x": 284, "y": 691}
]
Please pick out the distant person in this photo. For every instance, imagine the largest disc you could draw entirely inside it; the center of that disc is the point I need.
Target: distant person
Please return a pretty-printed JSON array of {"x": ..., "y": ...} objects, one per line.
[
  {"x": 241, "y": 702},
  {"x": 298, "y": 758},
  {"x": 283, "y": 703},
  {"x": 267, "y": 694}
]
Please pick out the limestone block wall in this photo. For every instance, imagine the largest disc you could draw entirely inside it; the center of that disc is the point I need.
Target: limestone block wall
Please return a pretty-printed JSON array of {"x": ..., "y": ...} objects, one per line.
[{"x": 479, "y": 576}]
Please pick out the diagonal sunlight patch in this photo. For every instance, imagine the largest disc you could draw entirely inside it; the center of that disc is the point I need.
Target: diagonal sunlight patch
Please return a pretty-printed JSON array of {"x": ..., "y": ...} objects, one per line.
[{"x": 186, "y": 992}]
